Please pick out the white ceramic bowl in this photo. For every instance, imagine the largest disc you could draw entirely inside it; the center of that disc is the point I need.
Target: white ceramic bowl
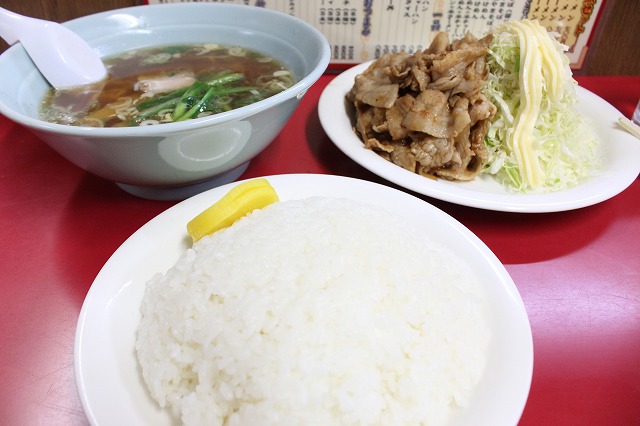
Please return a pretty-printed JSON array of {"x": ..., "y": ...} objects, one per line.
[{"x": 174, "y": 160}]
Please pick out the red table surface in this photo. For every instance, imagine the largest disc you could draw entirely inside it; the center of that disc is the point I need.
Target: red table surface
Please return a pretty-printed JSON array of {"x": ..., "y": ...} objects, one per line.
[{"x": 578, "y": 272}]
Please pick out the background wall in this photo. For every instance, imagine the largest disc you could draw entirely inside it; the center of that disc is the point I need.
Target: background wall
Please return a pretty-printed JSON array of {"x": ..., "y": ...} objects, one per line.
[{"x": 614, "y": 50}]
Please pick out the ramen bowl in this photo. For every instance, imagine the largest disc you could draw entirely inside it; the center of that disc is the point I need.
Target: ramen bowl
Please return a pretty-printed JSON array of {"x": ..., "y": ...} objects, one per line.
[{"x": 173, "y": 160}]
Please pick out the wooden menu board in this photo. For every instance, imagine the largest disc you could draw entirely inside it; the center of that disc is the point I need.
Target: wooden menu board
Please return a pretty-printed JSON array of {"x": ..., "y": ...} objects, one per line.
[{"x": 362, "y": 30}]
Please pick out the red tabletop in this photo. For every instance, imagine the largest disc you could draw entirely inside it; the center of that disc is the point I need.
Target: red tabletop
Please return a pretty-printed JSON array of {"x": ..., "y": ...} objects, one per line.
[{"x": 578, "y": 272}]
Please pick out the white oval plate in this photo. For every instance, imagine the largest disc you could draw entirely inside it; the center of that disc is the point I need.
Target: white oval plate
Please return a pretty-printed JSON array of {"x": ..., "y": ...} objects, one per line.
[
  {"x": 620, "y": 153},
  {"x": 107, "y": 375}
]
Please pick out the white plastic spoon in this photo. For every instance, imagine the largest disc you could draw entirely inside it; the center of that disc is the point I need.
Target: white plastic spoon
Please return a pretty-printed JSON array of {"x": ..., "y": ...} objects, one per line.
[{"x": 63, "y": 58}]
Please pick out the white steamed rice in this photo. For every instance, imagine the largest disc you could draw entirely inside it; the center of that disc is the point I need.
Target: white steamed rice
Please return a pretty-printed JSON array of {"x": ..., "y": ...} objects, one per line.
[{"x": 314, "y": 312}]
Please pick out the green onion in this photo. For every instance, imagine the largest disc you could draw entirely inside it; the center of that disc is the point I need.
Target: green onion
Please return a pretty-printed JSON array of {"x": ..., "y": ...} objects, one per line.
[
  {"x": 161, "y": 100},
  {"x": 204, "y": 105},
  {"x": 196, "y": 109},
  {"x": 150, "y": 112},
  {"x": 201, "y": 96},
  {"x": 224, "y": 78},
  {"x": 188, "y": 99}
]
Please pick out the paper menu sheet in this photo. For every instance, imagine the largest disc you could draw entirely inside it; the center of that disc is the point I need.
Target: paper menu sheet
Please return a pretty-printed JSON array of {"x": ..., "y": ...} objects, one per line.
[{"x": 362, "y": 30}]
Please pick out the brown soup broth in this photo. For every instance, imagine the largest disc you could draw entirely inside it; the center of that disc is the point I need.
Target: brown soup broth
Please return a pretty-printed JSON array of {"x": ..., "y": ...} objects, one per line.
[{"x": 180, "y": 82}]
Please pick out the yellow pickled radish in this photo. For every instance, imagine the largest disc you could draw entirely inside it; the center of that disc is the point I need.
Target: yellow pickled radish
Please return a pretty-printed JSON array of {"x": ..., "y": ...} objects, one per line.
[{"x": 241, "y": 200}]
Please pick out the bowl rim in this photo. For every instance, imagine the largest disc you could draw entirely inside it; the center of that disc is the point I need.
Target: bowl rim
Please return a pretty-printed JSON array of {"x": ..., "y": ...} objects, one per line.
[{"x": 296, "y": 91}]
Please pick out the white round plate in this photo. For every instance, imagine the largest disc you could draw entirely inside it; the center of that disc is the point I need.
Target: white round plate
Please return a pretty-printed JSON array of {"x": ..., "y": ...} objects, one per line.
[
  {"x": 107, "y": 375},
  {"x": 619, "y": 151}
]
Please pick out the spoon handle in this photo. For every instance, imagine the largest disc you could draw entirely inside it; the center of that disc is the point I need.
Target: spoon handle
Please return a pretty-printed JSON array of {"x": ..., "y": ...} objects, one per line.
[
  {"x": 61, "y": 55},
  {"x": 10, "y": 23}
]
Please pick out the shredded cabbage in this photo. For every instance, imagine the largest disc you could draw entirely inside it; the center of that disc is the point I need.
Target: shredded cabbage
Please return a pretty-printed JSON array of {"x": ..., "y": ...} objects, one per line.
[{"x": 563, "y": 139}]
